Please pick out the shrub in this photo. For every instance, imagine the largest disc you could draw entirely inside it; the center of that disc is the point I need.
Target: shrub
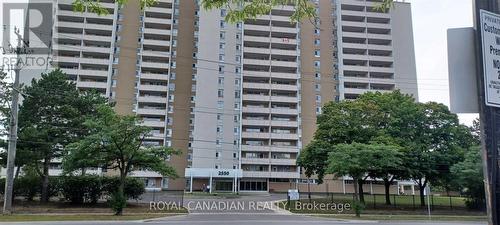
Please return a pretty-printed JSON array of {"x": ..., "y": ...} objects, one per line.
[
  {"x": 27, "y": 186},
  {"x": 80, "y": 189},
  {"x": 134, "y": 187}
]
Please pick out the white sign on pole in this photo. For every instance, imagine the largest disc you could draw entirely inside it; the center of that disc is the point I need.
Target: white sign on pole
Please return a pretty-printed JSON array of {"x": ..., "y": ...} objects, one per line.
[
  {"x": 490, "y": 32},
  {"x": 293, "y": 194}
]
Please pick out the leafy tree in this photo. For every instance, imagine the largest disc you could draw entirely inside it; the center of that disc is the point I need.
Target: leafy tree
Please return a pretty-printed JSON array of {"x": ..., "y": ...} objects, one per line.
[
  {"x": 248, "y": 10},
  {"x": 117, "y": 143},
  {"x": 435, "y": 142},
  {"x": 469, "y": 176},
  {"x": 49, "y": 119},
  {"x": 340, "y": 123},
  {"x": 387, "y": 165},
  {"x": 359, "y": 161}
]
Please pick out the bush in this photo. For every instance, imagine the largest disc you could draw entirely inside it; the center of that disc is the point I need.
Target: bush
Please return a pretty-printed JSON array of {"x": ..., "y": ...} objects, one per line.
[
  {"x": 27, "y": 186},
  {"x": 80, "y": 189},
  {"x": 117, "y": 202},
  {"x": 134, "y": 187}
]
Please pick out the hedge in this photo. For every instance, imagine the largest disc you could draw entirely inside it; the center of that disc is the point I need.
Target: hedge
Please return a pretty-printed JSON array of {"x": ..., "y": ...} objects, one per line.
[{"x": 76, "y": 189}]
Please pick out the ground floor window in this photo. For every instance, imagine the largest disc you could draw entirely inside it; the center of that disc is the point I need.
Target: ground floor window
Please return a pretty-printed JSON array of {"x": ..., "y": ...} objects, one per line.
[
  {"x": 224, "y": 185},
  {"x": 253, "y": 185}
]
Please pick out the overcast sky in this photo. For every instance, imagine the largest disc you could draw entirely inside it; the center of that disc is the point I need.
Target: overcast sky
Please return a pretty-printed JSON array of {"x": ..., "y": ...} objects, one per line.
[{"x": 431, "y": 19}]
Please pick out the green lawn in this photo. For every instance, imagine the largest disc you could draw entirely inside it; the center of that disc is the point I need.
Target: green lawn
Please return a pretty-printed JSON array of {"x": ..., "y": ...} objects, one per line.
[
  {"x": 78, "y": 217},
  {"x": 376, "y": 204}
]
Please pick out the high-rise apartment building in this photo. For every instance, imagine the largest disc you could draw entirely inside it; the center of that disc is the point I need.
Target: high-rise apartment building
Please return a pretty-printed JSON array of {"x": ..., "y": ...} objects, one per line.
[{"x": 239, "y": 100}]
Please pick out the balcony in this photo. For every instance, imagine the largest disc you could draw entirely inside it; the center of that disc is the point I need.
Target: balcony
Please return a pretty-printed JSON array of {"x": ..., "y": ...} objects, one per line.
[
  {"x": 96, "y": 73},
  {"x": 157, "y": 31},
  {"x": 156, "y": 53},
  {"x": 159, "y": 10},
  {"x": 99, "y": 26},
  {"x": 163, "y": 65},
  {"x": 250, "y": 85},
  {"x": 255, "y": 148},
  {"x": 153, "y": 123},
  {"x": 259, "y": 135},
  {"x": 256, "y": 50},
  {"x": 286, "y": 162},
  {"x": 284, "y": 30},
  {"x": 248, "y": 97},
  {"x": 92, "y": 85},
  {"x": 99, "y": 61},
  {"x": 152, "y": 99},
  {"x": 255, "y": 110},
  {"x": 284, "y": 87},
  {"x": 153, "y": 76},
  {"x": 285, "y": 149},
  {"x": 284, "y": 99},
  {"x": 157, "y": 20},
  {"x": 355, "y": 68},
  {"x": 285, "y": 75},
  {"x": 147, "y": 87},
  {"x": 284, "y": 63},
  {"x": 285, "y": 136},
  {"x": 279, "y": 123},
  {"x": 255, "y": 122},
  {"x": 268, "y": 174},
  {"x": 284, "y": 52},
  {"x": 156, "y": 42},
  {"x": 97, "y": 38},
  {"x": 261, "y": 62},
  {"x": 151, "y": 111},
  {"x": 258, "y": 161},
  {"x": 69, "y": 24},
  {"x": 284, "y": 111}
]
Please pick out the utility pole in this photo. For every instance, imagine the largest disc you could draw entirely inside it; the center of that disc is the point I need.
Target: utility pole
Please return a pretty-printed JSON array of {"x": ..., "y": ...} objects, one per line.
[{"x": 11, "y": 152}]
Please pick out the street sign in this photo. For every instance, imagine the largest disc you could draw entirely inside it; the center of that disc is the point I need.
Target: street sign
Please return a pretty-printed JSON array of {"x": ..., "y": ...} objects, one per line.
[
  {"x": 490, "y": 33},
  {"x": 293, "y": 194}
]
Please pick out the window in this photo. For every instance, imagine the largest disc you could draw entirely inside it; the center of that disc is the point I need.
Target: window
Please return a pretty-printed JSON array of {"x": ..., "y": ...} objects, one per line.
[
  {"x": 235, "y": 155},
  {"x": 221, "y": 57},
  {"x": 219, "y": 129},
  {"x": 223, "y": 12},
  {"x": 318, "y": 87},
  {"x": 222, "y": 46},
  {"x": 222, "y": 24},
  {"x": 317, "y": 53},
  {"x": 316, "y": 31},
  {"x": 217, "y": 154},
  {"x": 221, "y": 69},
  {"x": 317, "y": 42},
  {"x": 316, "y": 64},
  {"x": 220, "y": 104},
  {"x": 221, "y": 81},
  {"x": 222, "y": 35},
  {"x": 220, "y": 93},
  {"x": 317, "y": 75},
  {"x": 318, "y": 98}
]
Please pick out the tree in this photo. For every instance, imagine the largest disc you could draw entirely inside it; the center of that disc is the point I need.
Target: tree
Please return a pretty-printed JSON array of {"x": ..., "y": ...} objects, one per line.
[
  {"x": 387, "y": 165},
  {"x": 117, "y": 143},
  {"x": 340, "y": 123},
  {"x": 248, "y": 10},
  {"x": 435, "y": 142},
  {"x": 359, "y": 161},
  {"x": 469, "y": 176},
  {"x": 50, "y": 118}
]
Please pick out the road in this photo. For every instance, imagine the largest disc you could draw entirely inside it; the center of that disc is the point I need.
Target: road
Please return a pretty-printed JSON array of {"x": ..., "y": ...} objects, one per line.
[{"x": 244, "y": 219}]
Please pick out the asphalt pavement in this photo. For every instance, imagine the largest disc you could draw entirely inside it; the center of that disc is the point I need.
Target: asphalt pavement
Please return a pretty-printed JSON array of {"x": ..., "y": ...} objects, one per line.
[{"x": 244, "y": 219}]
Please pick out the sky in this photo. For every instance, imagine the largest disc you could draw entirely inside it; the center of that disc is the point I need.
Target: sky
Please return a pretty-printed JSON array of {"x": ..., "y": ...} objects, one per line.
[{"x": 431, "y": 19}]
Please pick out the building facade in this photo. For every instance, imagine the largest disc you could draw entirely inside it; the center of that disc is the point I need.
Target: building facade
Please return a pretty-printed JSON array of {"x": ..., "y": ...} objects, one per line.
[{"x": 238, "y": 100}]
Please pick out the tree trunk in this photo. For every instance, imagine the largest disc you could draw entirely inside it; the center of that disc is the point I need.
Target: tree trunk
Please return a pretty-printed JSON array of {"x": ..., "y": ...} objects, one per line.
[
  {"x": 387, "y": 186},
  {"x": 45, "y": 181},
  {"x": 17, "y": 172},
  {"x": 356, "y": 190},
  {"x": 309, "y": 189},
  {"x": 121, "y": 195},
  {"x": 422, "y": 197},
  {"x": 361, "y": 191}
]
